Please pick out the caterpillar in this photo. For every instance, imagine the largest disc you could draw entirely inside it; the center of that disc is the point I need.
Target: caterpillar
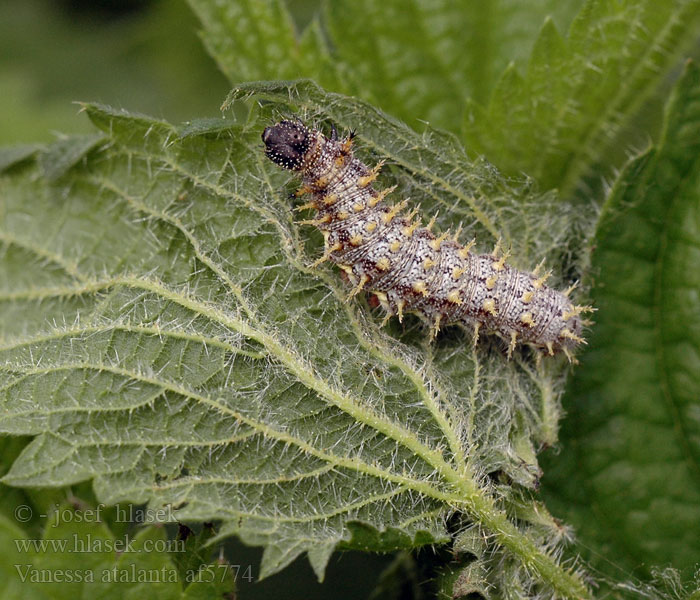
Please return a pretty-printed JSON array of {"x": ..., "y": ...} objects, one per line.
[{"x": 408, "y": 267}]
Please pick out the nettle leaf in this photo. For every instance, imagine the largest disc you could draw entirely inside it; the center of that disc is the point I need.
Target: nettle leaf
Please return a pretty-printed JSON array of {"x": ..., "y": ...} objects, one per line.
[
  {"x": 135, "y": 566},
  {"x": 421, "y": 60},
  {"x": 163, "y": 335},
  {"x": 565, "y": 118},
  {"x": 252, "y": 39},
  {"x": 633, "y": 435},
  {"x": 10, "y": 155},
  {"x": 560, "y": 111},
  {"x": 417, "y": 60}
]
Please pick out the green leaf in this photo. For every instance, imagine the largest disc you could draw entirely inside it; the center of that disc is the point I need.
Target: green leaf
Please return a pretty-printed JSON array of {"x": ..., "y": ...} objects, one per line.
[
  {"x": 421, "y": 60},
  {"x": 60, "y": 156},
  {"x": 248, "y": 38},
  {"x": 566, "y": 119},
  {"x": 417, "y": 60},
  {"x": 193, "y": 550},
  {"x": 468, "y": 582},
  {"x": 163, "y": 335},
  {"x": 11, "y": 155},
  {"x": 668, "y": 584},
  {"x": 137, "y": 565},
  {"x": 257, "y": 39},
  {"x": 632, "y": 441}
]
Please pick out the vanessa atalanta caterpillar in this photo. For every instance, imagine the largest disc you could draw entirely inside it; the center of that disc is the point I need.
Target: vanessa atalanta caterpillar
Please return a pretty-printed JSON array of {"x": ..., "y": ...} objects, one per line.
[{"x": 408, "y": 267}]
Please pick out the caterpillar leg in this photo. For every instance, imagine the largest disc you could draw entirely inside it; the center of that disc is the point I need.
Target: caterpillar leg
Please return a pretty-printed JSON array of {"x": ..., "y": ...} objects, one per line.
[
  {"x": 513, "y": 343},
  {"x": 384, "y": 303},
  {"x": 399, "y": 309},
  {"x": 358, "y": 288},
  {"x": 538, "y": 359},
  {"x": 327, "y": 254},
  {"x": 435, "y": 328}
]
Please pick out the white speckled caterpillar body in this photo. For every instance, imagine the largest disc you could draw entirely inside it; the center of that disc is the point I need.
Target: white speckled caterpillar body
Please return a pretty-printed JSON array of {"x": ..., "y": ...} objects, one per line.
[{"x": 409, "y": 268}]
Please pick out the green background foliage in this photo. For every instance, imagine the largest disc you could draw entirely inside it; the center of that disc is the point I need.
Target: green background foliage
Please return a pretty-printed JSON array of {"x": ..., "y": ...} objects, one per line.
[{"x": 164, "y": 340}]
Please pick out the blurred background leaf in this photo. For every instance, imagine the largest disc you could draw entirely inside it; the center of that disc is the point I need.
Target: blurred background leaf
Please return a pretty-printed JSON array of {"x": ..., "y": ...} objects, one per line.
[
  {"x": 628, "y": 477},
  {"x": 139, "y": 53},
  {"x": 417, "y": 60}
]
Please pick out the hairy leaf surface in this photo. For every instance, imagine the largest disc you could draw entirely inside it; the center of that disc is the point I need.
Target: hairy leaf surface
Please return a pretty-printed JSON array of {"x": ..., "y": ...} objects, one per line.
[
  {"x": 417, "y": 60},
  {"x": 565, "y": 119},
  {"x": 561, "y": 115},
  {"x": 163, "y": 335},
  {"x": 110, "y": 567}
]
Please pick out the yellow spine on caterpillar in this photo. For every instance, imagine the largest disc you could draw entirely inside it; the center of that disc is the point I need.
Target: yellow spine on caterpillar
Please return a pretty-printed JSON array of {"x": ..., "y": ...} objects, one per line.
[{"x": 410, "y": 268}]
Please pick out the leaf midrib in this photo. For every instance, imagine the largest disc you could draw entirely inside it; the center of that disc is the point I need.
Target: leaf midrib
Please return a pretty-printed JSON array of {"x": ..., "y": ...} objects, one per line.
[
  {"x": 393, "y": 430},
  {"x": 445, "y": 484},
  {"x": 350, "y": 463}
]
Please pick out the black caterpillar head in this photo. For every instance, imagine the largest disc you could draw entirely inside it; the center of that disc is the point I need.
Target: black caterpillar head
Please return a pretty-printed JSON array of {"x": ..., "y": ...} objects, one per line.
[{"x": 286, "y": 144}]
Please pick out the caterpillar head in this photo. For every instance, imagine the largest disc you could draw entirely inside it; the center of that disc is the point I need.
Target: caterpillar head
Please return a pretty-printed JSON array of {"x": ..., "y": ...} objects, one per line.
[{"x": 287, "y": 143}]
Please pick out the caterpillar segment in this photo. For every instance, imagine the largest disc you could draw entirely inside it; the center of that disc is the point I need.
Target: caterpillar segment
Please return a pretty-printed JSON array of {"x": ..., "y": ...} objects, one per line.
[{"x": 409, "y": 268}]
